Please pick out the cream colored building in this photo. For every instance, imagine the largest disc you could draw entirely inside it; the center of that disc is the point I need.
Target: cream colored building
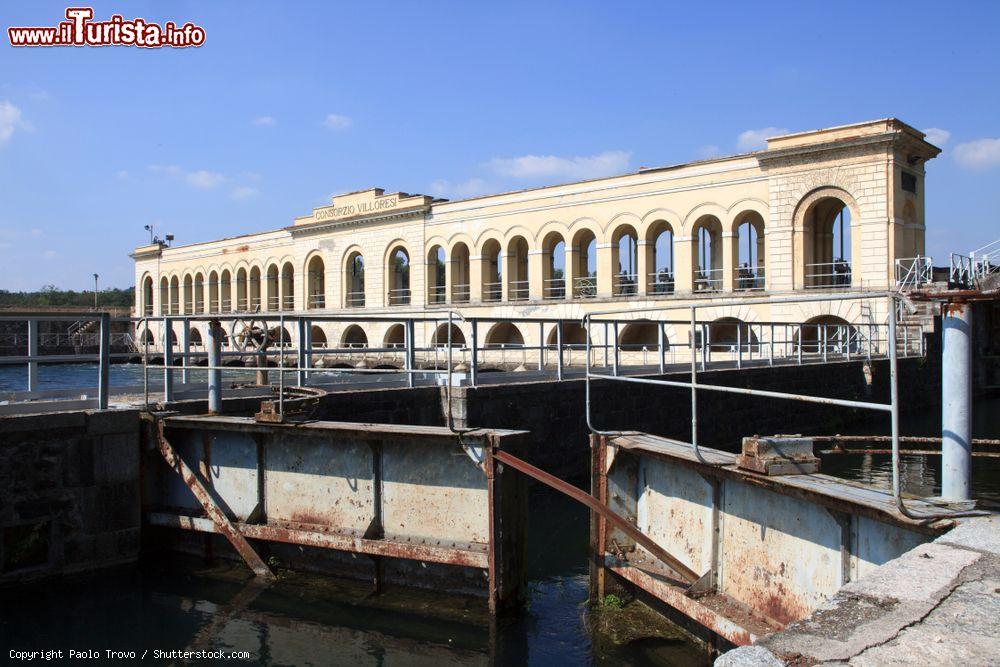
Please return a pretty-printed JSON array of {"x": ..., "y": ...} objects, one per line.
[{"x": 816, "y": 212}]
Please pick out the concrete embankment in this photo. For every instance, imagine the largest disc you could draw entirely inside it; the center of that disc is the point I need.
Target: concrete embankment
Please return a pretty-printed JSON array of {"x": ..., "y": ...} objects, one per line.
[{"x": 937, "y": 604}]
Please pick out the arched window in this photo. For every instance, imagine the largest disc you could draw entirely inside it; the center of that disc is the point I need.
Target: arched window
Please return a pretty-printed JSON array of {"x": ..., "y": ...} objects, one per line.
[
  {"x": 188, "y": 295},
  {"x": 492, "y": 278},
  {"x": 164, "y": 296},
  {"x": 584, "y": 265},
  {"x": 707, "y": 260},
  {"x": 272, "y": 300},
  {"x": 749, "y": 270},
  {"x": 625, "y": 260},
  {"x": 833, "y": 334},
  {"x": 642, "y": 335},
  {"x": 288, "y": 287},
  {"x": 226, "y": 291},
  {"x": 279, "y": 336},
  {"x": 317, "y": 337},
  {"x": 175, "y": 296},
  {"x": 213, "y": 292},
  {"x": 460, "y": 284},
  {"x": 440, "y": 337},
  {"x": 399, "y": 277},
  {"x": 316, "y": 283},
  {"x": 661, "y": 245},
  {"x": 827, "y": 227},
  {"x": 254, "y": 289},
  {"x": 573, "y": 335},
  {"x": 554, "y": 267},
  {"x": 147, "y": 296},
  {"x": 194, "y": 338},
  {"x": 354, "y": 281},
  {"x": 241, "y": 290},
  {"x": 504, "y": 334},
  {"x": 436, "y": 275},
  {"x": 146, "y": 338},
  {"x": 354, "y": 336},
  {"x": 395, "y": 336},
  {"x": 516, "y": 263},
  {"x": 199, "y": 293},
  {"x": 727, "y": 333}
]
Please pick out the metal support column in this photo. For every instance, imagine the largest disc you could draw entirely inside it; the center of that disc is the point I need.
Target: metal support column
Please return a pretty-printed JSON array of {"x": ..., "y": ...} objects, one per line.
[
  {"x": 541, "y": 346},
  {"x": 185, "y": 349},
  {"x": 956, "y": 402},
  {"x": 559, "y": 347},
  {"x": 168, "y": 361},
  {"x": 32, "y": 352},
  {"x": 301, "y": 345},
  {"x": 474, "y": 360},
  {"x": 213, "y": 342},
  {"x": 104, "y": 365},
  {"x": 411, "y": 354}
]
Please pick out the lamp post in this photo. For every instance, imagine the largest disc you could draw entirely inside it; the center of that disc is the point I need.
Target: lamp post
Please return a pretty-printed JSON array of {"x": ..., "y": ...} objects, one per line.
[
  {"x": 95, "y": 291},
  {"x": 149, "y": 228}
]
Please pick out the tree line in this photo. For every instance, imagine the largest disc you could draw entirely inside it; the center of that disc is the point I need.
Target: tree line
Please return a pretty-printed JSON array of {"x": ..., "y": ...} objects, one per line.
[{"x": 50, "y": 295}]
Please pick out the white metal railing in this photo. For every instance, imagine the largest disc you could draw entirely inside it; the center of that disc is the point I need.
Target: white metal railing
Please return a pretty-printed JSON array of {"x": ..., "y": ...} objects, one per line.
[
  {"x": 961, "y": 272},
  {"x": 555, "y": 288},
  {"x": 317, "y": 301},
  {"x": 626, "y": 284},
  {"x": 835, "y": 274},
  {"x": 288, "y": 302},
  {"x": 436, "y": 294},
  {"x": 914, "y": 272},
  {"x": 460, "y": 293},
  {"x": 355, "y": 299},
  {"x": 273, "y": 302},
  {"x": 517, "y": 290},
  {"x": 492, "y": 291},
  {"x": 399, "y": 296},
  {"x": 708, "y": 280},
  {"x": 748, "y": 278},
  {"x": 661, "y": 282},
  {"x": 585, "y": 287}
]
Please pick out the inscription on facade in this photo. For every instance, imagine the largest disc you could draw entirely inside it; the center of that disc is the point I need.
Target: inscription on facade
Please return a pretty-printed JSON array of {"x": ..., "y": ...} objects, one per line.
[{"x": 379, "y": 205}]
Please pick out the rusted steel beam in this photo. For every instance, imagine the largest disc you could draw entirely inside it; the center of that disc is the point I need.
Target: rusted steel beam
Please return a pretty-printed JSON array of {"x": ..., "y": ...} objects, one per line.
[
  {"x": 619, "y": 522},
  {"x": 598, "y": 525},
  {"x": 908, "y": 452},
  {"x": 475, "y": 556},
  {"x": 675, "y": 597},
  {"x": 218, "y": 518}
]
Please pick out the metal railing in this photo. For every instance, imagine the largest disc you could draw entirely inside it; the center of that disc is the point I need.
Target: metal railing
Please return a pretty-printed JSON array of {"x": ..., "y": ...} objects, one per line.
[
  {"x": 399, "y": 296},
  {"x": 626, "y": 284},
  {"x": 828, "y": 275},
  {"x": 661, "y": 282},
  {"x": 697, "y": 337},
  {"x": 708, "y": 280},
  {"x": 585, "y": 287},
  {"x": 355, "y": 299},
  {"x": 461, "y": 293},
  {"x": 554, "y": 288},
  {"x": 492, "y": 291},
  {"x": 518, "y": 290},
  {"x": 748, "y": 278},
  {"x": 317, "y": 301},
  {"x": 436, "y": 294},
  {"x": 914, "y": 272}
]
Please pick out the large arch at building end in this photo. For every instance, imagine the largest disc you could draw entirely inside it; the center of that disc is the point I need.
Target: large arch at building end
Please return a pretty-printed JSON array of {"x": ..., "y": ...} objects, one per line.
[
  {"x": 504, "y": 334},
  {"x": 440, "y": 337},
  {"x": 354, "y": 336},
  {"x": 826, "y": 239}
]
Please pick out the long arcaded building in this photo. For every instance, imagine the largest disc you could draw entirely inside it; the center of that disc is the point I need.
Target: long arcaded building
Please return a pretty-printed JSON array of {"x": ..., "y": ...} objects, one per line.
[{"x": 817, "y": 212}]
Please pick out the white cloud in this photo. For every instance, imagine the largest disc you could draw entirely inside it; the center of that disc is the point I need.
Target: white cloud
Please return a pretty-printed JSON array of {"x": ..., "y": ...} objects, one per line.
[
  {"x": 50, "y": 254},
  {"x": 337, "y": 122},
  {"x": 204, "y": 179},
  {"x": 122, "y": 175},
  {"x": 243, "y": 193},
  {"x": 537, "y": 167},
  {"x": 710, "y": 151},
  {"x": 264, "y": 121},
  {"x": 753, "y": 140},
  {"x": 937, "y": 136},
  {"x": 978, "y": 154},
  {"x": 36, "y": 232},
  {"x": 470, "y": 188},
  {"x": 10, "y": 120}
]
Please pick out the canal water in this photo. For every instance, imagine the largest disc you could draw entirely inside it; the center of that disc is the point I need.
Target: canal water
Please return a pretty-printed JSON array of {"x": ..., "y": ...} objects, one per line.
[{"x": 300, "y": 620}]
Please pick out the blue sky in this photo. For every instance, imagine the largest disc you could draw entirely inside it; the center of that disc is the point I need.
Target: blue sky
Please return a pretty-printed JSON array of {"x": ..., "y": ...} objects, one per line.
[{"x": 289, "y": 103}]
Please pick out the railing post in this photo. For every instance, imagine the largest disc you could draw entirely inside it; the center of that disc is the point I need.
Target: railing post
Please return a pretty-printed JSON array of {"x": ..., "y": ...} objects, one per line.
[
  {"x": 798, "y": 350},
  {"x": 770, "y": 347},
  {"x": 606, "y": 329},
  {"x": 659, "y": 347},
  {"x": 956, "y": 402},
  {"x": 705, "y": 350},
  {"x": 559, "y": 345},
  {"x": 214, "y": 345},
  {"x": 168, "y": 361},
  {"x": 302, "y": 345},
  {"x": 185, "y": 348},
  {"x": 823, "y": 343},
  {"x": 474, "y": 362},
  {"x": 32, "y": 352},
  {"x": 541, "y": 346},
  {"x": 411, "y": 354},
  {"x": 614, "y": 356},
  {"x": 104, "y": 376},
  {"x": 739, "y": 346}
]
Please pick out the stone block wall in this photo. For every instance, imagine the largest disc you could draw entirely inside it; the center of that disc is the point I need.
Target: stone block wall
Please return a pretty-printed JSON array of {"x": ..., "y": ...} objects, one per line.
[{"x": 69, "y": 493}]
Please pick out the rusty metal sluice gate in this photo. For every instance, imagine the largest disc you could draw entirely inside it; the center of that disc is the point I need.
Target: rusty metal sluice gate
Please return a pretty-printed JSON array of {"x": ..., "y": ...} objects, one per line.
[{"x": 404, "y": 504}]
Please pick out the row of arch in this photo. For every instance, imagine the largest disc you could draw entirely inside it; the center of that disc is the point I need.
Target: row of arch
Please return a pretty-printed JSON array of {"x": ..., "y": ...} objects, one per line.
[
  {"x": 643, "y": 258},
  {"x": 723, "y": 334}
]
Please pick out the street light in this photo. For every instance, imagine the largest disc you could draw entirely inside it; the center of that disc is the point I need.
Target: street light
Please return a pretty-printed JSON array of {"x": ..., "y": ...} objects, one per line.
[
  {"x": 95, "y": 291},
  {"x": 149, "y": 228}
]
